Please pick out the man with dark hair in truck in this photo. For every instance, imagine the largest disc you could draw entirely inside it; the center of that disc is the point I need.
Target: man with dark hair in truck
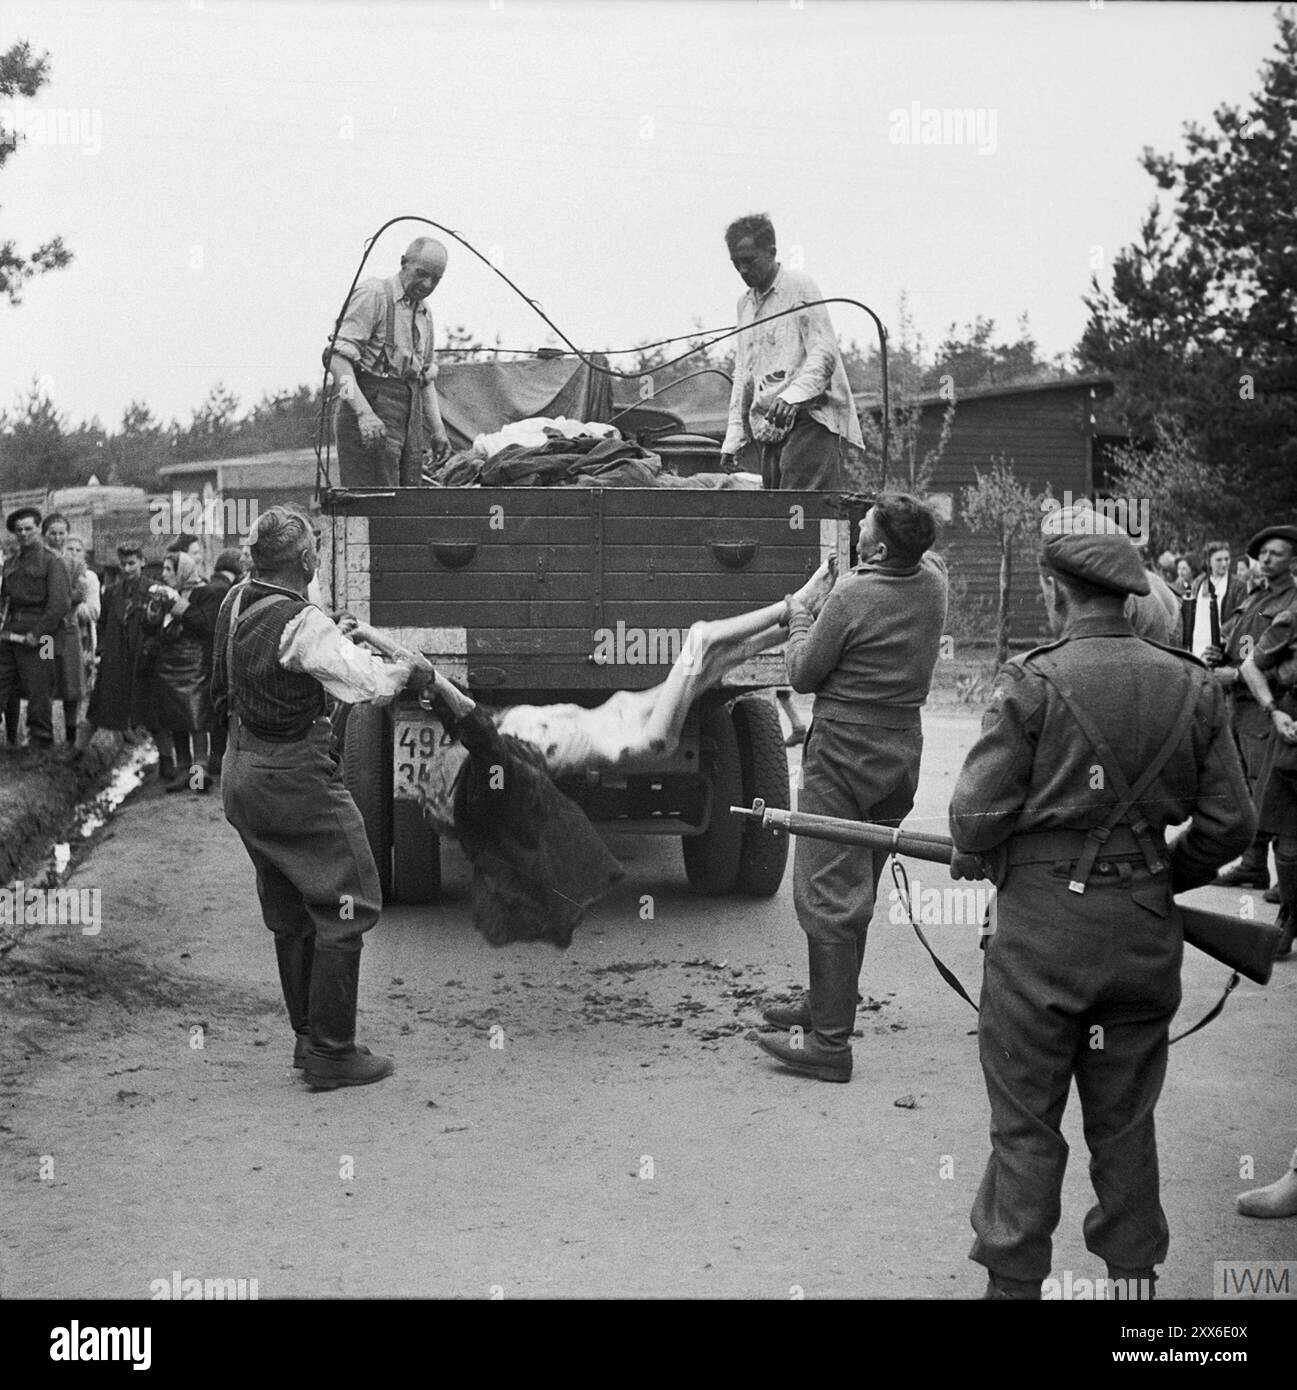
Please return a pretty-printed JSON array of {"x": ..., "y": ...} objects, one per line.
[
  {"x": 792, "y": 418},
  {"x": 275, "y": 656},
  {"x": 389, "y": 419},
  {"x": 868, "y": 655}
]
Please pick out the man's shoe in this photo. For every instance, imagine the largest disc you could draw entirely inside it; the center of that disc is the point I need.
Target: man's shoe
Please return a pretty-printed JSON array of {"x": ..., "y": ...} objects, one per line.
[
  {"x": 1279, "y": 1199},
  {"x": 1000, "y": 1289},
  {"x": 1271, "y": 895},
  {"x": 800, "y": 1052},
  {"x": 786, "y": 1016},
  {"x": 361, "y": 1068},
  {"x": 1244, "y": 877},
  {"x": 166, "y": 769}
]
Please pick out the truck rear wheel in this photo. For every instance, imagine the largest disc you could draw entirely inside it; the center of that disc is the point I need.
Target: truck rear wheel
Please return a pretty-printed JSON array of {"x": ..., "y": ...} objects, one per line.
[
  {"x": 712, "y": 858},
  {"x": 764, "y": 766},
  {"x": 416, "y": 855},
  {"x": 367, "y": 771}
]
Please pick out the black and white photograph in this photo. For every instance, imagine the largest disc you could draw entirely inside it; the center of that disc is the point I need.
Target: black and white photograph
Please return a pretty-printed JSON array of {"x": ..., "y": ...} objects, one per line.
[{"x": 648, "y": 652}]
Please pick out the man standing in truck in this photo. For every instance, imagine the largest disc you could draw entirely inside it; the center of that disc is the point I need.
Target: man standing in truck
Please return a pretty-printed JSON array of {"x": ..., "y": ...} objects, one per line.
[
  {"x": 389, "y": 419},
  {"x": 792, "y": 418}
]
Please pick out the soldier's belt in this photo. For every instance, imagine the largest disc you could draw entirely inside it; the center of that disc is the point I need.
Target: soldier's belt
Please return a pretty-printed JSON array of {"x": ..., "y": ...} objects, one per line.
[{"x": 1050, "y": 846}]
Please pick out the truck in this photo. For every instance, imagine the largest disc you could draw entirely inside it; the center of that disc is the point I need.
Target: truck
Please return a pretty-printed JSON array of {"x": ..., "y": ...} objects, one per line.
[{"x": 549, "y": 595}]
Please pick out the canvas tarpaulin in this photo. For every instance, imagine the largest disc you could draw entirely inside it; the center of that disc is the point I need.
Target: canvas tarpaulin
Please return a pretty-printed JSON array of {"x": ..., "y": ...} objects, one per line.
[{"x": 479, "y": 397}]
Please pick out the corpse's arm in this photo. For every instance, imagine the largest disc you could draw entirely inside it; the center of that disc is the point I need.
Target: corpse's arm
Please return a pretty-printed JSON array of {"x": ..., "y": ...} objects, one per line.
[{"x": 992, "y": 786}]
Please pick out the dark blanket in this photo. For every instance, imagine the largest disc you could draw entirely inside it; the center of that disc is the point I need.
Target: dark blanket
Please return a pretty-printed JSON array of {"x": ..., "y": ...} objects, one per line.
[{"x": 538, "y": 863}]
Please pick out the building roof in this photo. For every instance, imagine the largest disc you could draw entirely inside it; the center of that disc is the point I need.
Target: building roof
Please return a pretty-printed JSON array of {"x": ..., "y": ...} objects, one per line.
[
  {"x": 282, "y": 468},
  {"x": 1105, "y": 385}
]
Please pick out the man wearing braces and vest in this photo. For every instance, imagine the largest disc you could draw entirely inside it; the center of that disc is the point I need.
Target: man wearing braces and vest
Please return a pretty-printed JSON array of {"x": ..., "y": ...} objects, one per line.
[{"x": 388, "y": 422}]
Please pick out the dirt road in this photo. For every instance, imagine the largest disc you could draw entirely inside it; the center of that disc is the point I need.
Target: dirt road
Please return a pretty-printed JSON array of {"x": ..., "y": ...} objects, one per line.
[{"x": 591, "y": 1123}]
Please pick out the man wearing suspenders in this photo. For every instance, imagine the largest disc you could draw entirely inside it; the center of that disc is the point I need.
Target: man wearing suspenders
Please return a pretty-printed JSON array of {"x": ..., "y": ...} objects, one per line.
[
  {"x": 389, "y": 419},
  {"x": 1091, "y": 747},
  {"x": 275, "y": 657}
]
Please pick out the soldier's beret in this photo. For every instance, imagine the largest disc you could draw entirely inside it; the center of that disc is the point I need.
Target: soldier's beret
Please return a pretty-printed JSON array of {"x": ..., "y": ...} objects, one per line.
[
  {"x": 15, "y": 516},
  {"x": 1089, "y": 545},
  {"x": 1282, "y": 533}
]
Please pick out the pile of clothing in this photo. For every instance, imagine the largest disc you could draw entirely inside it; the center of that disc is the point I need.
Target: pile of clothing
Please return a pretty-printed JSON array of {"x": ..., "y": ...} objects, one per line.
[{"x": 566, "y": 453}]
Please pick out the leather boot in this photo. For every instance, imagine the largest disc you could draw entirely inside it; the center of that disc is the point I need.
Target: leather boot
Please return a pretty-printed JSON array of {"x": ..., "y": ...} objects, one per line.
[
  {"x": 1134, "y": 1284},
  {"x": 1253, "y": 870},
  {"x": 786, "y": 1016},
  {"x": 333, "y": 1059},
  {"x": 295, "y": 955},
  {"x": 825, "y": 1051},
  {"x": 1286, "y": 872}
]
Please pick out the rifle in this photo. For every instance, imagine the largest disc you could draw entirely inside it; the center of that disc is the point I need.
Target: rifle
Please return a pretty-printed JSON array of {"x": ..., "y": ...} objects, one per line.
[{"x": 1247, "y": 947}]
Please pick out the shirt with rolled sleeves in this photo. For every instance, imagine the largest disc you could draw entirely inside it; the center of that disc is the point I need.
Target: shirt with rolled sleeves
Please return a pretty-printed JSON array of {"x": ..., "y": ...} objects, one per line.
[
  {"x": 362, "y": 335},
  {"x": 1032, "y": 769}
]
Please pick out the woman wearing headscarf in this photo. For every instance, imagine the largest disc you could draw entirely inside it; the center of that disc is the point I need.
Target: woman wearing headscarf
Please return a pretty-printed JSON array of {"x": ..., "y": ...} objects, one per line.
[
  {"x": 69, "y": 679},
  {"x": 184, "y": 610}
]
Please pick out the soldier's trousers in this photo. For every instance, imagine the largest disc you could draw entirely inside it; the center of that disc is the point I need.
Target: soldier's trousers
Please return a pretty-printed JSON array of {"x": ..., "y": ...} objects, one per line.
[
  {"x": 857, "y": 772},
  {"x": 24, "y": 670},
  {"x": 316, "y": 875},
  {"x": 1077, "y": 986}
]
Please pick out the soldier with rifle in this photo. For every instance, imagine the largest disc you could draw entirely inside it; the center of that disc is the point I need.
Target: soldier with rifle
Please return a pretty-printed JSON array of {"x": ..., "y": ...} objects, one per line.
[{"x": 1092, "y": 746}]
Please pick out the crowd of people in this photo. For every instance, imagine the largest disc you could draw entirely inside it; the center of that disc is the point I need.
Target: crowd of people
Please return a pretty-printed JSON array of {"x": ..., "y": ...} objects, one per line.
[{"x": 133, "y": 656}]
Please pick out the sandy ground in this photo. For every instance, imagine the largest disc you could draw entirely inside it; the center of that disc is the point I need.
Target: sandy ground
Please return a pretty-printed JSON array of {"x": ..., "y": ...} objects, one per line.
[{"x": 588, "y": 1123}]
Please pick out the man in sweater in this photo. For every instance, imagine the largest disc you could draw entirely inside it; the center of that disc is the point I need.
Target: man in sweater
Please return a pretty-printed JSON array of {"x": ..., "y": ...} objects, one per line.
[
  {"x": 792, "y": 418},
  {"x": 868, "y": 656}
]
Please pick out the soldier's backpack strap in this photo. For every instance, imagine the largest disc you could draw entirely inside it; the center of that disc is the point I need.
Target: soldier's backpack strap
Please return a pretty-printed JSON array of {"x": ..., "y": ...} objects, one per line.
[
  {"x": 237, "y": 617},
  {"x": 1127, "y": 796}
]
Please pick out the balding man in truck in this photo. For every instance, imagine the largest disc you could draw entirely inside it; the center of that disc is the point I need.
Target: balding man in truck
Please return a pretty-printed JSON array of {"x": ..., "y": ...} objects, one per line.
[{"x": 381, "y": 358}]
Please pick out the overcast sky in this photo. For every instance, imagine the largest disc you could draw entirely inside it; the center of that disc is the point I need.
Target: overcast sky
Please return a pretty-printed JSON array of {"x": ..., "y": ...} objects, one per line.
[{"x": 216, "y": 168}]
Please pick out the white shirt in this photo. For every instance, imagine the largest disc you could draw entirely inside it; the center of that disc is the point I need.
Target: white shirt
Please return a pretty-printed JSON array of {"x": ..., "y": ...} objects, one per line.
[
  {"x": 794, "y": 359},
  {"x": 312, "y": 645},
  {"x": 1201, "y": 638}
]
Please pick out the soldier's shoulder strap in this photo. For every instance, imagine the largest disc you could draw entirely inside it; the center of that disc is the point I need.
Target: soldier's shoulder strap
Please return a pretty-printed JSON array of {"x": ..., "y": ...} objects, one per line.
[{"x": 1177, "y": 651}]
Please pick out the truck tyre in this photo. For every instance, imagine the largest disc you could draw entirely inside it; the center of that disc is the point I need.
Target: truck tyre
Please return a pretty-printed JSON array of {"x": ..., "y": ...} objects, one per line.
[
  {"x": 763, "y": 762},
  {"x": 416, "y": 855},
  {"x": 367, "y": 771},
  {"x": 712, "y": 858}
]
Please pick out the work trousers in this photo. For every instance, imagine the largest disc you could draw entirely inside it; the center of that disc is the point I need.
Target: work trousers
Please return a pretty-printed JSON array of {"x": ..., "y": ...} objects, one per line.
[
  {"x": 396, "y": 460},
  {"x": 23, "y": 670},
  {"x": 856, "y": 772},
  {"x": 315, "y": 871},
  {"x": 1084, "y": 986},
  {"x": 812, "y": 457}
]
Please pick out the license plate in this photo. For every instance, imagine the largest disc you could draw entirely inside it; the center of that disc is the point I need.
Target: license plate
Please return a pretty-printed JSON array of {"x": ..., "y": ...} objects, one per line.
[{"x": 425, "y": 759}]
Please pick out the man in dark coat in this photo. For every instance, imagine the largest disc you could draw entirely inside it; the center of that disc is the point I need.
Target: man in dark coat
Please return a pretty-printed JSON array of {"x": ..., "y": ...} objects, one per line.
[
  {"x": 1091, "y": 747},
  {"x": 112, "y": 700},
  {"x": 34, "y": 599},
  {"x": 1274, "y": 549}
]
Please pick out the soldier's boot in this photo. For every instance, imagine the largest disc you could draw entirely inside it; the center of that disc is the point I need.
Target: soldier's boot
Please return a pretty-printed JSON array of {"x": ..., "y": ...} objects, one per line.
[
  {"x": 1253, "y": 870},
  {"x": 1286, "y": 872},
  {"x": 1133, "y": 1284},
  {"x": 825, "y": 1051},
  {"x": 1279, "y": 1199},
  {"x": 786, "y": 1016},
  {"x": 333, "y": 1059},
  {"x": 296, "y": 955},
  {"x": 999, "y": 1287}
]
